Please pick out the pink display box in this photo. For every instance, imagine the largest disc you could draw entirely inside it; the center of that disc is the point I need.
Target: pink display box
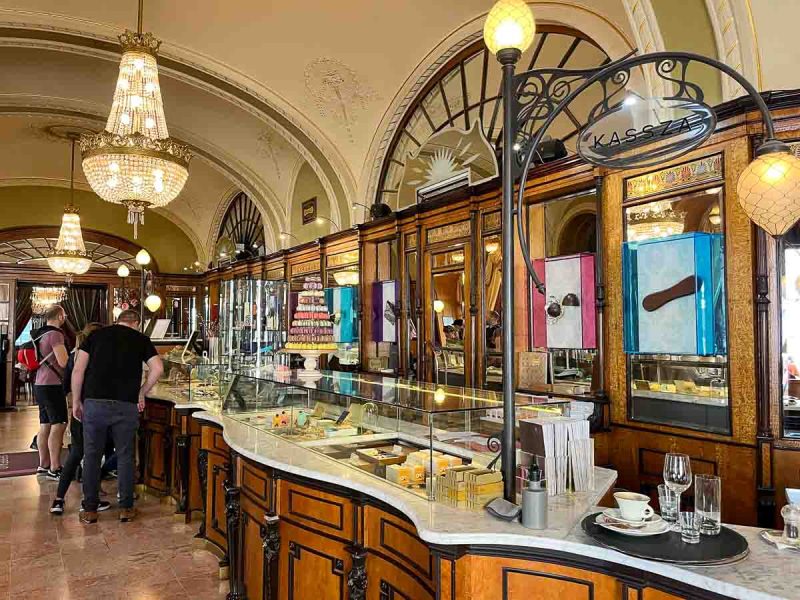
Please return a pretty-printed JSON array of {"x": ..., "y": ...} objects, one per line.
[{"x": 576, "y": 327}]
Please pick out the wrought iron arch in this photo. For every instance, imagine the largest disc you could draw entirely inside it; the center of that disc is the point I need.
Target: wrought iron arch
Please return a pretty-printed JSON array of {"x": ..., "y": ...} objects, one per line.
[
  {"x": 467, "y": 88},
  {"x": 541, "y": 95},
  {"x": 242, "y": 224}
]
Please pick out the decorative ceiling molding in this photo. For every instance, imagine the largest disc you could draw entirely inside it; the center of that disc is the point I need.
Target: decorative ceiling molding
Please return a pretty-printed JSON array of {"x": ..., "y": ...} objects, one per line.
[
  {"x": 339, "y": 93},
  {"x": 182, "y": 64},
  {"x": 729, "y": 48},
  {"x": 242, "y": 176}
]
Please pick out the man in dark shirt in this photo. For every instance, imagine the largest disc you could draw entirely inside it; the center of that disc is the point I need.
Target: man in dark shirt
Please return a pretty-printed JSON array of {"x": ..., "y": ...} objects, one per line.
[{"x": 108, "y": 395}]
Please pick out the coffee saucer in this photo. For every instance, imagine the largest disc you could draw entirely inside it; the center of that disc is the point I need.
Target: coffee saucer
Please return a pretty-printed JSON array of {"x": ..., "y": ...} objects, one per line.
[
  {"x": 640, "y": 529},
  {"x": 616, "y": 515}
]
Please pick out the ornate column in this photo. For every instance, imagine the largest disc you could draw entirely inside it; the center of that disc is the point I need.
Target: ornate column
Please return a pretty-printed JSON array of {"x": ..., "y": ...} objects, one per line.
[
  {"x": 182, "y": 442},
  {"x": 271, "y": 543},
  {"x": 202, "y": 469},
  {"x": 233, "y": 518},
  {"x": 357, "y": 576}
]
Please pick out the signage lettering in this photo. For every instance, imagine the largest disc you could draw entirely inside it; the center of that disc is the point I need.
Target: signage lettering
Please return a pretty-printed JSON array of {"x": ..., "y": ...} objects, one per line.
[{"x": 607, "y": 142}]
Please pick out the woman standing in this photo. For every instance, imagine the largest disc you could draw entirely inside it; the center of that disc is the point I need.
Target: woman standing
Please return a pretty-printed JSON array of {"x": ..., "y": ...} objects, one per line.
[{"x": 76, "y": 432}]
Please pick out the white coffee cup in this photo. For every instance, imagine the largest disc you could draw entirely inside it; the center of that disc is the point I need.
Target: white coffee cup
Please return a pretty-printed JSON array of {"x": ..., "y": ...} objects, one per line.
[{"x": 633, "y": 506}]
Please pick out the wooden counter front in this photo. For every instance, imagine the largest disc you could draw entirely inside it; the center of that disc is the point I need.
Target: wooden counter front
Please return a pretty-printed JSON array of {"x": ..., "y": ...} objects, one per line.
[{"x": 292, "y": 538}]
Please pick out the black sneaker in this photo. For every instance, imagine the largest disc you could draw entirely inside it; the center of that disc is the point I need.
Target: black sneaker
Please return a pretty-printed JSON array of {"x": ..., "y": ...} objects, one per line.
[
  {"x": 108, "y": 476},
  {"x": 42, "y": 470},
  {"x": 58, "y": 507},
  {"x": 56, "y": 475},
  {"x": 34, "y": 443},
  {"x": 135, "y": 496},
  {"x": 101, "y": 506}
]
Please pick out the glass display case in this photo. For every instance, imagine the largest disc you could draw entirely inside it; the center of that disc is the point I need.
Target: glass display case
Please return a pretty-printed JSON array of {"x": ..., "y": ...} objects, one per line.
[
  {"x": 189, "y": 377},
  {"x": 424, "y": 438},
  {"x": 253, "y": 316},
  {"x": 341, "y": 297},
  {"x": 675, "y": 311},
  {"x": 563, "y": 319}
]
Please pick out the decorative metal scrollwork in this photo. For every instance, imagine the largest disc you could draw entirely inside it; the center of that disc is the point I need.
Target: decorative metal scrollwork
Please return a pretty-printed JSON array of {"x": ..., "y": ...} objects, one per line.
[{"x": 494, "y": 444}]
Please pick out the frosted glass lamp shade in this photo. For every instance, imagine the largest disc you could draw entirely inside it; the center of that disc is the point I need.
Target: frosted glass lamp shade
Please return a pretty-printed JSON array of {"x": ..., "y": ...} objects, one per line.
[
  {"x": 509, "y": 26},
  {"x": 143, "y": 257},
  {"x": 769, "y": 191},
  {"x": 152, "y": 302},
  {"x": 438, "y": 306},
  {"x": 70, "y": 257},
  {"x": 123, "y": 271}
]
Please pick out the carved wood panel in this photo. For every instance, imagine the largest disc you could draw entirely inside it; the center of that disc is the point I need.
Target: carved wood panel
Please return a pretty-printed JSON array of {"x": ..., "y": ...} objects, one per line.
[
  {"x": 492, "y": 578},
  {"x": 321, "y": 511},
  {"x": 396, "y": 539},
  {"x": 256, "y": 484},
  {"x": 638, "y": 456},
  {"x": 312, "y": 567},
  {"x": 216, "y": 526},
  {"x": 252, "y": 551}
]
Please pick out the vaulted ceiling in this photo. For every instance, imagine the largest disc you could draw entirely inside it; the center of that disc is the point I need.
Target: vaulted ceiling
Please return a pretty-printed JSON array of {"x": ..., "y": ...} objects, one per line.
[{"x": 257, "y": 88}]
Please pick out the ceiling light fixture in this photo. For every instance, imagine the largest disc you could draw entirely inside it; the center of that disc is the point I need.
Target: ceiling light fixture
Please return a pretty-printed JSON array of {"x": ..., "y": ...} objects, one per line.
[
  {"x": 133, "y": 161},
  {"x": 44, "y": 297},
  {"x": 70, "y": 257}
]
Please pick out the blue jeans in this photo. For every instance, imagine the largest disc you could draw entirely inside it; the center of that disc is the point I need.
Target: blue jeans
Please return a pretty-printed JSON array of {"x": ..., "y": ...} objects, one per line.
[{"x": 121, "y": 419}]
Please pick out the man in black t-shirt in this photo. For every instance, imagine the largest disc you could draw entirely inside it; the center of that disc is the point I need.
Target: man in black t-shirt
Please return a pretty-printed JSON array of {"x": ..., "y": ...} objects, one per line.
[{"x": 108, "y": 396}]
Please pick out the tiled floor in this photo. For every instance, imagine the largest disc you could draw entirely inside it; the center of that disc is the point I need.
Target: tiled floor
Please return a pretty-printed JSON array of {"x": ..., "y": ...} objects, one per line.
[
  {"x": 17, "y": 427},
  {"x": 58, "y": 558}
]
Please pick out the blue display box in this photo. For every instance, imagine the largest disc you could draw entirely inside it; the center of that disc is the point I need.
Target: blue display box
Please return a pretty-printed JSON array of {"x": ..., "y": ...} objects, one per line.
[{"x": 674, "y": 295}]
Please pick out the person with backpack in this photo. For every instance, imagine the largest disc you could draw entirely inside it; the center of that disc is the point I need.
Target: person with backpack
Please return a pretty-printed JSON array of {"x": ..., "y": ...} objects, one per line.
[
  {"x": 52, "y": 357},
  {"x": 75, "y": 455}
]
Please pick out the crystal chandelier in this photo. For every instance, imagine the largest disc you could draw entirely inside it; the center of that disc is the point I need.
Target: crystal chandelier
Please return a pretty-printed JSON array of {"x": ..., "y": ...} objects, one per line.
[
  {"x": 70, "y": 257},
  {"x": 654, "y": 220},
  {"x": 133, "y": 161},
  {"x": 42, "y": 297}
]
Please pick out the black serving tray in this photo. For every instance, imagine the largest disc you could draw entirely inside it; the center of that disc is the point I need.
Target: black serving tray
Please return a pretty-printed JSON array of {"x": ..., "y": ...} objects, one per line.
[{"x": 725, "y": 548}]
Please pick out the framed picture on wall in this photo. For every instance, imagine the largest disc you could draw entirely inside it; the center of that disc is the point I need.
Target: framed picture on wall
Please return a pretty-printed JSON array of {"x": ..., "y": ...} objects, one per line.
[{"x": 310, "y": 210}]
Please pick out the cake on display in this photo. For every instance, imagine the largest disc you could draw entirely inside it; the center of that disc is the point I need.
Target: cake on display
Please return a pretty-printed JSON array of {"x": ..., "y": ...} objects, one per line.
[{"x": 311, "y": 331}]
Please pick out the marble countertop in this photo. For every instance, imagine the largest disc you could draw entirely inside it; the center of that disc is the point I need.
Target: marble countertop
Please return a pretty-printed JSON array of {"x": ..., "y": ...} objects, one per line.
[{"x": 766, "y": 574}]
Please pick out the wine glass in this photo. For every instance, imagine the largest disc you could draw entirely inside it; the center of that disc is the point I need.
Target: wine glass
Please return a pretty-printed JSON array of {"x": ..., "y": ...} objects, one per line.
[{"x": 677, "y": 474}]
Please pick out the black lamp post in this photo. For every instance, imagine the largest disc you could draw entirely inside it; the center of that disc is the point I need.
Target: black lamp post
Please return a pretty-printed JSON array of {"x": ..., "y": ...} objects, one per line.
[{"x": 768, "y": 189}]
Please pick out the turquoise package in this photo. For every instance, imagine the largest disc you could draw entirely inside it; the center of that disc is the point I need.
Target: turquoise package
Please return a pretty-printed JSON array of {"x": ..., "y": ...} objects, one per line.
[
  {"x": 341, "y": 303},
  {"x": 674, "y": 295}
]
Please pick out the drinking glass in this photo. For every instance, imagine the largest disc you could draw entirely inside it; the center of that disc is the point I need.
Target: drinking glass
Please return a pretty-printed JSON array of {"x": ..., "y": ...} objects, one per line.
[
  {"x": 690, "y": 527},
  {"x": 677, "y": 473},
  {"x": 707, "y": 503},
  {"x": 668, "y": 503}
]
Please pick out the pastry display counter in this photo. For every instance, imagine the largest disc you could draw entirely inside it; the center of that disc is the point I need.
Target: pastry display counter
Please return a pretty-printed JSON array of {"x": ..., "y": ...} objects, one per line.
[
  {"x": 294, "y": 524},
  {"x": 407, "y": 433},
  {"x": 299, "y": 518}
]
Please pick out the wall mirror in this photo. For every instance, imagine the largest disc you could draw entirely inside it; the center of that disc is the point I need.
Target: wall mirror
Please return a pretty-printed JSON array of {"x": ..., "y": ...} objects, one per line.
[
  {"x": 411, "y": 338},
  {"x": 380, "y": 272},
  {"x": 789, "y": 269},
  {"x": 675, "y": 313},
  {"x": 493, "y": 311},
  {"x": 449, "y": 322}
]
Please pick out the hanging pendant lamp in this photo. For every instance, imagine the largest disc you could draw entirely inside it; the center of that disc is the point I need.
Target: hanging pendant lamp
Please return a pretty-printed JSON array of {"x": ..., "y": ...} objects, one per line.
[
  {"x": 70, "y": 257},
  {"x": 133, "y": 161}
]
